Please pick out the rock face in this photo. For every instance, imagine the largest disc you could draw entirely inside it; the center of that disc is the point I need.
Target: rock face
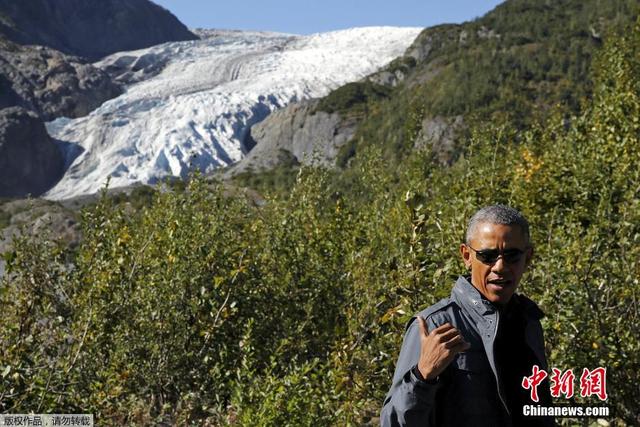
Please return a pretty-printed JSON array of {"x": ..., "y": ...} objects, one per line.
[
  {"x": 41, "y": 71},
  {"x": 295, "y": 134},
  {"x": 433, "y": 38},
  {"x": 129, "y": 69},
  {"x": 39, "y": 83},
  {"x": 51, "y": 83},
  {"x": 439, "y": 134},
  {"x": 30, "y": 163},
  {"x": 90, "y": 28}
]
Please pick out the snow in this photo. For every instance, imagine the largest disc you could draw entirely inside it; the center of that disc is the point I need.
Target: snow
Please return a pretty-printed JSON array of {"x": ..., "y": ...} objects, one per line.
[{"x": 195, "y": 112}]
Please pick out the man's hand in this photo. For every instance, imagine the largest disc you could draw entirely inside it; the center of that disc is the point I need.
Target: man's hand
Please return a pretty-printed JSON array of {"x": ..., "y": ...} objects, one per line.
[{"x": 438, "y": 348}]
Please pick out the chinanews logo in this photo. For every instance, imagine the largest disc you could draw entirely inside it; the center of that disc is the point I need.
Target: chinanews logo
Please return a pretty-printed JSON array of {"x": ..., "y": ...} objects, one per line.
[{"x": 592, "y": 383}]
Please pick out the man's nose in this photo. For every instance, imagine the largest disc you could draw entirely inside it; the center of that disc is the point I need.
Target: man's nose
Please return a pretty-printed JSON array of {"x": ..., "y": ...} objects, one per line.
[{"x": 499, "y": 265}]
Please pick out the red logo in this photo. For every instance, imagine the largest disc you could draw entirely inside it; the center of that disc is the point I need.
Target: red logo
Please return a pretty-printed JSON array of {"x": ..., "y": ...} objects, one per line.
[
  {"x": 592, "y": 382},
  {"x": 534, "y": 381},
  {"x": 562, "y": 383}
]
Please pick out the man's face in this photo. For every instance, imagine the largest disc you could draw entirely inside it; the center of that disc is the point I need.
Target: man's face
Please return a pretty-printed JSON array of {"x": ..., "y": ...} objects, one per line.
[{"x": 497, "y": 280}]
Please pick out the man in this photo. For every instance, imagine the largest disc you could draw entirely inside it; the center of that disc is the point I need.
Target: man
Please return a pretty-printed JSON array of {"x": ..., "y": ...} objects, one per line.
[{"x": 463, "y": 359}]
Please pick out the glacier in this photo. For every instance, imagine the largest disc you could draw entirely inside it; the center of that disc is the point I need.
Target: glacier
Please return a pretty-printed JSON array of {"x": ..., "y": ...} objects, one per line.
[{"x": 194, "y": 111}]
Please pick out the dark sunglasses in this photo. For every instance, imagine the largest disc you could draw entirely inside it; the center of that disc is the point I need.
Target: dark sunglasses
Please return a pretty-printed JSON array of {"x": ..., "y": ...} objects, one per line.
[{"x": 490, "y": 256}]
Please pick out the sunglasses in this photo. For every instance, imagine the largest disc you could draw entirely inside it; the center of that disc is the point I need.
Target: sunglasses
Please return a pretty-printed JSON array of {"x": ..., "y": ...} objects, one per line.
[{"x": 490, "y": 256}]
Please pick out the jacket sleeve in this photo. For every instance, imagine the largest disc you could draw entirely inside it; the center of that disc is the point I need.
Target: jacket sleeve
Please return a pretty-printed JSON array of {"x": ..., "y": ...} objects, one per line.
[{"x": 411, "y": 400}]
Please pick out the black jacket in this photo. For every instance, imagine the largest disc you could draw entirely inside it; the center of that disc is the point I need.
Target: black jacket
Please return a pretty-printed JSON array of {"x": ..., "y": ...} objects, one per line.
[{"x": 470, "y": 391}]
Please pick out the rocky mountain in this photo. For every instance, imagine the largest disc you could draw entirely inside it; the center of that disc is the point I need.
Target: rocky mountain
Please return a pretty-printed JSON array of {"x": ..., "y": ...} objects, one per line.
[
  {"x": 50, "y": 83},
  {"x": 29, "y": 159},
  {"x": 38, "y": 83},
  {"x": 297, "y": 134},
  {"x": 45, "y": 46},
  {"x": 90, "y": 28}
]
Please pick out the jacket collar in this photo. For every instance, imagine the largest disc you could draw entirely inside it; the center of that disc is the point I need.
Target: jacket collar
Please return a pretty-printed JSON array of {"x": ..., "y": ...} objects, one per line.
[{"x": 469, "y": 298}]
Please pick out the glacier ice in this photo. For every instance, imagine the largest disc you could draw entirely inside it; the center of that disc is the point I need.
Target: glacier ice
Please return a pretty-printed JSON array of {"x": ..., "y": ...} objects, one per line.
[{"x": 194, "y": 108}]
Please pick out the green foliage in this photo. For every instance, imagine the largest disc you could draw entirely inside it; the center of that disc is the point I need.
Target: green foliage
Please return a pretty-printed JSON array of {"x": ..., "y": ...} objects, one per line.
[
  {"x": 199, "y": 308},
  {"x": 5, "y": 219},
  {"x": 515, "y": 63},
  {"x": 139, "y": 197},
  {"x": 402, "y": 64},
  {"x": 279, "y": 179},
  {"x": 303, "y": 396},
  {"x": 353, "y": 98}
]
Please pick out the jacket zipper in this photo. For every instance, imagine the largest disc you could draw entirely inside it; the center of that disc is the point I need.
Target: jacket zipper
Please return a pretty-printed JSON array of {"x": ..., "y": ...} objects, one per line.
[{"x": 493, "y": 350}]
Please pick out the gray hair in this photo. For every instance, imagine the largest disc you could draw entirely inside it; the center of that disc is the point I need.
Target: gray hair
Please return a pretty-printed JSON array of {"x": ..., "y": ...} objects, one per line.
[{"x": 497, "y": 214}]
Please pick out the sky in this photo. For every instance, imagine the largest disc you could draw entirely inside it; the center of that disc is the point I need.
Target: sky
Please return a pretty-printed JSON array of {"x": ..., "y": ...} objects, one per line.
[{"x": 314, "y": 16}]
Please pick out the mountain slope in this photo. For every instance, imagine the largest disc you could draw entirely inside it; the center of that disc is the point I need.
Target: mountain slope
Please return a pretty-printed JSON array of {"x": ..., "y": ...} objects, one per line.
[
  {"x": 196, "y": 111},
  {"x": 44, "y": 46},
  {"x": 512, "y": 65},
  {"x": 50, "y": 83},
  {"x": 39, "y": 83},
  {"x": 90, "y": 28},
  {"x": 29, "y": 160}
]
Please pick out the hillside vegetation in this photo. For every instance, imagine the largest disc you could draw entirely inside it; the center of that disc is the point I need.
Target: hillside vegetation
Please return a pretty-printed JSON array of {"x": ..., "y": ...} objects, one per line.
[
  {"x": 514, "y": 64},
  {"x": 201, "y": 308}
]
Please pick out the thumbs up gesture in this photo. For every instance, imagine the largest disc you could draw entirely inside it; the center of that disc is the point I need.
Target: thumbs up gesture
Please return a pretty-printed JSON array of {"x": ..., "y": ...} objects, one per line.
[{"x": 438, "y": 348}]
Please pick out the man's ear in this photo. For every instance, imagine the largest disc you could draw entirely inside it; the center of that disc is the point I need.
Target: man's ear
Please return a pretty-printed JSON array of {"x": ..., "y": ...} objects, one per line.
[
  {"x": 466, "y": 255},
  {"x": 529, "y": 256}
]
